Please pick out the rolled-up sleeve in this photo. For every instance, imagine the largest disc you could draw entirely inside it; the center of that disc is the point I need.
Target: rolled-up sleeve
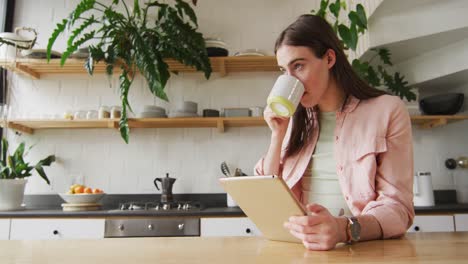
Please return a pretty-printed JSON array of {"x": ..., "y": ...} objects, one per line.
[{"x": 393, "y": 207}]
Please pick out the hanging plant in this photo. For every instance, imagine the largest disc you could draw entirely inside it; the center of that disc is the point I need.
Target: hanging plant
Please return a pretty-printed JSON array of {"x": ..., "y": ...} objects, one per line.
[
  {"x": 130, "y": 41},
  {"x": 374, "y": 72}
]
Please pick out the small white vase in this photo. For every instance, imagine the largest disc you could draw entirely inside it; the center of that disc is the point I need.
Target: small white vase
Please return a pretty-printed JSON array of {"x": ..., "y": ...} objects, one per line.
[{"x": 11, "y": 194}]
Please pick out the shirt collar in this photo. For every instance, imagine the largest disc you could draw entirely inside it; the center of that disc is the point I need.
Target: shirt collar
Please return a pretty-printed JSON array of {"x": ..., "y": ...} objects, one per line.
[{"x": 351, "y": 104}]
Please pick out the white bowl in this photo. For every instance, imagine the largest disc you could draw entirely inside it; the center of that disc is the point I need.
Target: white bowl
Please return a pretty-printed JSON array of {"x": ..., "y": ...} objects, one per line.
[{"x": 82, "y": 198}]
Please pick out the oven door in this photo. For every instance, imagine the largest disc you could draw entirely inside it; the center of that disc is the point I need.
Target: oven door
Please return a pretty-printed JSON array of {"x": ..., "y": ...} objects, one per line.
[{"x": 152, "y": 227}]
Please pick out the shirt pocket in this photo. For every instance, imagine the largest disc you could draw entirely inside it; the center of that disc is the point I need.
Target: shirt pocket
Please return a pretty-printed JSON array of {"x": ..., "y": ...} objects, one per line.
[
  {"x": 378, "y": 145},
  {"x": 365, "y": 166}
]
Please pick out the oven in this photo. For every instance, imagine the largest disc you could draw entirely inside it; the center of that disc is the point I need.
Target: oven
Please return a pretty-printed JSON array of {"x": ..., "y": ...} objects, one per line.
[
  {"x": 154, "y": 219},
  {"x": 152, "y": 227}
]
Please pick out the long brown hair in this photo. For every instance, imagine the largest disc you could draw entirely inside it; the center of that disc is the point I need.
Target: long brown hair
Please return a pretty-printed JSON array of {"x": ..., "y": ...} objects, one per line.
[{"x": 315, "y": 33}]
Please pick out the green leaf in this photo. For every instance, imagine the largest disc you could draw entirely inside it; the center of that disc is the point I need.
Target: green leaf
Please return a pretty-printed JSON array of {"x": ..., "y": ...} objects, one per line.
[
  {"x": 80, "y": 29},
  {"x": 45, "y": 162},
  {"x": 43, "y": 175},
  {"x": 360, "y": 68},
  {"x": 335, "y": 8},
  {"x": 354, "y": 37},
  {"x": 19, "y": 151},
  {"x": 345, "y": 35},
  {"x": 4, "y": 151},
  {"x": 372, "y": 77},
  {"x": 74, "y": 47},
  {"x": 124, "y": 88},
  {"x": 362, "y": 16},
  {"x": 384, "y": 55},
  {"x": 89, "y": 64},
  {"x": 323, "y": 9},
  {"x": 136, "y": 9},
  {"x": 82, "y": 7},
  {"x": 185, "y": 7},
  {"x": 57, "y": 31}
]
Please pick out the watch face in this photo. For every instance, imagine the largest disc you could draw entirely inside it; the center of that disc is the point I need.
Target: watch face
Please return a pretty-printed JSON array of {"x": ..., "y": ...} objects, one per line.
[{"x": 355, "y": 229}]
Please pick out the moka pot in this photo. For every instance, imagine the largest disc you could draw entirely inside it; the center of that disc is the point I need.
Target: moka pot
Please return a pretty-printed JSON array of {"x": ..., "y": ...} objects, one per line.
[{"x": 166, "y": 186}]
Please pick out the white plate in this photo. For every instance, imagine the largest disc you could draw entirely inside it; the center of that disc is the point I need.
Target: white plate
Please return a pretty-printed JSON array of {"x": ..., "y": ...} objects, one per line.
[
  {"x": 39, "y": 54},
  {"x": 82, "y": 197},
  {"x": 182, "y": 114}
]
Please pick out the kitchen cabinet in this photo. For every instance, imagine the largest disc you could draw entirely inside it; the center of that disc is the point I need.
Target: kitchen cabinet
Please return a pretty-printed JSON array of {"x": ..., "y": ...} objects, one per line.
[
  {"x": 4, "y": 229},
  {"x": 461, "y": 222},
  {"x": 32, "y": 229},
  {"x": 432, "y": 223},
  {"x": 224, "y": 226}
]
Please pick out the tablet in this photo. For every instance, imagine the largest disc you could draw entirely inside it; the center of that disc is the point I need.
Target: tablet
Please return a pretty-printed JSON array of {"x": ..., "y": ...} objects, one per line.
[{"x": 267, "y": 201}]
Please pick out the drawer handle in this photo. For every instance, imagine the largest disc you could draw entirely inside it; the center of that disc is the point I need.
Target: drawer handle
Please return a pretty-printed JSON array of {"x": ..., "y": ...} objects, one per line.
[
  {"x": 248, "y": 230},
  {"x": 416, "y": 228},
  {"x": 181, "y": 226},
  {"x": 55, "y": 232}
]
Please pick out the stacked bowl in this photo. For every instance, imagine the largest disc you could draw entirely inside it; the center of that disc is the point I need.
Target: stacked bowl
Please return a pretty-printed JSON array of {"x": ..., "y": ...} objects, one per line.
[{"x": 152, "y": 111}]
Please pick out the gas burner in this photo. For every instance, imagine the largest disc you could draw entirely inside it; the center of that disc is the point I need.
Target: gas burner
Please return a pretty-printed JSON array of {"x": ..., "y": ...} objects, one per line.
[{"x": 158, "y": 206}]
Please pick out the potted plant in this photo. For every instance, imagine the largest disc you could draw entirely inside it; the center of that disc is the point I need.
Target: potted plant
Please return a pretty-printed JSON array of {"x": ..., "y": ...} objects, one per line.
[
  {"x": 374, "y": 72},
  {"x": 138, "y": 39},
  {"x": 13, "y": 173}
]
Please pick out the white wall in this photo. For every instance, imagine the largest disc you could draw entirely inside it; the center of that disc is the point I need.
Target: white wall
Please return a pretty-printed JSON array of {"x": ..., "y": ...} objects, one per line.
[{"x": 191, "y": 155}]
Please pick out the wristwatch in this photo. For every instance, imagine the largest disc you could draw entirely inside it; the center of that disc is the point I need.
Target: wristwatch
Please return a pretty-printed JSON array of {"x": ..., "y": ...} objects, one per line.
[{"x": 353, "y": 230}]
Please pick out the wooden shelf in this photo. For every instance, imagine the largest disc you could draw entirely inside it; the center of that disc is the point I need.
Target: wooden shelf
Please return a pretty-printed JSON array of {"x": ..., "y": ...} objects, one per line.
[
  {"x": 29, "y": 125},
  {"x": 427, "y": 122},
  {"x": 35, "y": 68},
  {"x": 221, "y": 123}
]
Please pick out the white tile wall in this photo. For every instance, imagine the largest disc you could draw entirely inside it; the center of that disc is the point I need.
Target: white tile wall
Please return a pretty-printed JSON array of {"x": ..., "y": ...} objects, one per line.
[{"x": 191, "y": 155}]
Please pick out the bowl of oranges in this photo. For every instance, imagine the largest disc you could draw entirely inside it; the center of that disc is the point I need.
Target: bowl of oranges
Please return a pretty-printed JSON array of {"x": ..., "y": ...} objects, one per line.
[{"x": 81, "y": 194}]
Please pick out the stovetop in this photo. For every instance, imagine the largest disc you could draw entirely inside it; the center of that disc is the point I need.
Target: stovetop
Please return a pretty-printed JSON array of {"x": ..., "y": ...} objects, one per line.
[{"x": 159, "y": 206}]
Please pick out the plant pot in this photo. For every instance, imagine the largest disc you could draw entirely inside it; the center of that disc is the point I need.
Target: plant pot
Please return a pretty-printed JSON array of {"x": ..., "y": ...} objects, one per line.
[{"x": 11, "y": 194}]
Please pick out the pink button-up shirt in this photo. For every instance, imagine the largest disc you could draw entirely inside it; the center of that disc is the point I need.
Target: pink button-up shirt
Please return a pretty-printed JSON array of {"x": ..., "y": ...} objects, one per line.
[{"x": 374, "y": 161}]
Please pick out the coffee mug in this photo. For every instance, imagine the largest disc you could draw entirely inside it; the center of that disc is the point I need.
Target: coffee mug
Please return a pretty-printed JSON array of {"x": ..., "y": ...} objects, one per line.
[{"x": 285, "y": 95}]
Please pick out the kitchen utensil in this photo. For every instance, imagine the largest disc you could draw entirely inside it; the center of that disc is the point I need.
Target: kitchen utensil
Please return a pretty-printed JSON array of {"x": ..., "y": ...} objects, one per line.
[
  {"x": 82, "y": 198},
  {"x": 462, "y": 162},
  {"x": 442, "y": 104},
  {"x": 239, "y": 172},
  {"x": 68, "y": 207},
  {"x": 236, "y": 112},
  {"x": 422, "y": 189},
  {"x": 225, "y": 169},
  {"x": 166, "y": 186},
  {"x": 40, "y": 54},
  {"x": 14, "y": 41},
  {"x": 210, "y": 113}
]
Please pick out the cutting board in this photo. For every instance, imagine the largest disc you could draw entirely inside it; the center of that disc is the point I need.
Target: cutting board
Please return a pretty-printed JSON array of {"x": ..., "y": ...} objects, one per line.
[{"x": 80, "y": 207}]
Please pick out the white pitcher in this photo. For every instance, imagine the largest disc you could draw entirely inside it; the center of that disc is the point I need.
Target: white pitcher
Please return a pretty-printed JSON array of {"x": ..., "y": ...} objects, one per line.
[{"x": 422, "y": 189}]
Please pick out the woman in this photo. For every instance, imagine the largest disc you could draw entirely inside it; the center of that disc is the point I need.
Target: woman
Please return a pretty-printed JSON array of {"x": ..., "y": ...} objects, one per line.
[{"x": 347, "y": 146}]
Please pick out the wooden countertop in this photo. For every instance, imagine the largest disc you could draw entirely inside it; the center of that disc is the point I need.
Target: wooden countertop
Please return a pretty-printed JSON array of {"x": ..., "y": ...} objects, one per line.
[{"x": 419, "y": 248}]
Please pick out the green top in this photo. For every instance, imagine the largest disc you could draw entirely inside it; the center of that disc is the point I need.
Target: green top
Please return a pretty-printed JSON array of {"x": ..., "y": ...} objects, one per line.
[{"x": 320, "y": 181}]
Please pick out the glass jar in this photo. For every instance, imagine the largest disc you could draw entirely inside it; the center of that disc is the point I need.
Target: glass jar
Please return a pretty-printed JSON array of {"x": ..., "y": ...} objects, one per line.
[
  {"x": 103, "y": 112},
  {"x": 116, "y": 112}
]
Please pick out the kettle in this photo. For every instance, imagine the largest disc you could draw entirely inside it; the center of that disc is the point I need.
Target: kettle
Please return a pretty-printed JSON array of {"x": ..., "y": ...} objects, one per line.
[
  {"x": 11, "y": 42},
  {"x": 166, "y": 185},
  {"x": 422, "y": 189}
]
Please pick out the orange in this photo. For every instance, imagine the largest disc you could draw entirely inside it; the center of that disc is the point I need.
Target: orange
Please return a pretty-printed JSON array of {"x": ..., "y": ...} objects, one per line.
[
  {"x": 88, "y": 190},
  {"x": 79, "y": 189},
  {"x": 96, "y": 190}
]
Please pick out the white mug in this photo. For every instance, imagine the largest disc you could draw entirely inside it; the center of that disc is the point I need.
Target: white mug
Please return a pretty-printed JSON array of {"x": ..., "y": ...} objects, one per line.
[{"x": 285, "y": 95}]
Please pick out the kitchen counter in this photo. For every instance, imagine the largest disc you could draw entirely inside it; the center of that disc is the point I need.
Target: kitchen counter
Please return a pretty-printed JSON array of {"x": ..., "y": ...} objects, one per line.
[
  {"x": 214, "y": 205},
  {"x": 414, "y": 248},
  {"x": 208, "y": 212}
]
